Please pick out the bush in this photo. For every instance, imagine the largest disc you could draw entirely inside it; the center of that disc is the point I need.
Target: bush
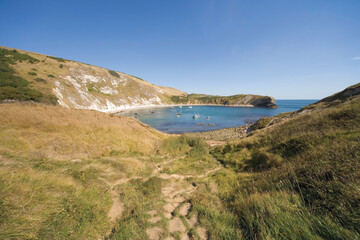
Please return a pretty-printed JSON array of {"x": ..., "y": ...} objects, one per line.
[
  {"x": 113, "y": 73},
  {"x": 261, "y": 123},
  {"x": 261, "y": 160},
  {"x": 32, "y": 73},
  {"x": 52, "y": 76}
]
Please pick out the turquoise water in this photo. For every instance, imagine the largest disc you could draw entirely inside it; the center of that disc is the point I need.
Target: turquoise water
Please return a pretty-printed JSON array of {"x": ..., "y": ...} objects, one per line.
[{"x": 166, "y": 120}]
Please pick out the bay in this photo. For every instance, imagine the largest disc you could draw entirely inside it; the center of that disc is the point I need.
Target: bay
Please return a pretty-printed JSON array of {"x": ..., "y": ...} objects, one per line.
[{"x": 181, "y": 119}]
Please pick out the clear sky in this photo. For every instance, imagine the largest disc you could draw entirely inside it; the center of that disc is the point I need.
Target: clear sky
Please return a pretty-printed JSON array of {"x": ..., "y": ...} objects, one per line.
[{"x": 298, "y": 49}]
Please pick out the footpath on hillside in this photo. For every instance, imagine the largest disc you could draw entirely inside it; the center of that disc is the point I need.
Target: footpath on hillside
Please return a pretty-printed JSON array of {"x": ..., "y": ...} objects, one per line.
[{"x": 174, "y": 207}]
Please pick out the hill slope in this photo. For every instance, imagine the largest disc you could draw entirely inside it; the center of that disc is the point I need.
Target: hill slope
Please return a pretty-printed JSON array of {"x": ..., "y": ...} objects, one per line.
[
  {"x": 31, "y": 76},
  {"x": 304, "y": 170},
  {"x": 77, "y": 85},
  {"x": 79, "y": 174}
]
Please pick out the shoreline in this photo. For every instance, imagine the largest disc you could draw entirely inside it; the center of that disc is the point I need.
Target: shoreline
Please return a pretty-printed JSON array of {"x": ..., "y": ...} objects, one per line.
[{"x": 144, "y": 107}]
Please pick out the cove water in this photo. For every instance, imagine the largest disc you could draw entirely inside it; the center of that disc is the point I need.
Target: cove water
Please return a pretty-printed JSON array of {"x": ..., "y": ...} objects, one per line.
[{"x": 181, "y": 119}]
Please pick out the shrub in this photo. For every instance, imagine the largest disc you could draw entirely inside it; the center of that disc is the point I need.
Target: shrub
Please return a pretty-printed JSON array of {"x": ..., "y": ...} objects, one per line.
[
  {"x": 32, "y": 73},
  {"x": 261, "y": 123},
  {"x": 52, "y": 76},
  {"x": 113, "y": 73},
  {"x": 261, "y": 160}
]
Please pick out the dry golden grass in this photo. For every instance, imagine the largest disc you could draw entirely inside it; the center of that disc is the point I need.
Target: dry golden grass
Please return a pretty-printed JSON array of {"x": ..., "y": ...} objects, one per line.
[{"x": 59, "y": 133}]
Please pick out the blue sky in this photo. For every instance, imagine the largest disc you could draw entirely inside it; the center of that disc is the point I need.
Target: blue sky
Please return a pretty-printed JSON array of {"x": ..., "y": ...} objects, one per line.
[{"x": 301, "y": 49}]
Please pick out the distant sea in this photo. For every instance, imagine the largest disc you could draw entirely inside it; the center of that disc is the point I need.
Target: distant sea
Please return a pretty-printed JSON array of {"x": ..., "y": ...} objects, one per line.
[{"x": 166, "y": 120}]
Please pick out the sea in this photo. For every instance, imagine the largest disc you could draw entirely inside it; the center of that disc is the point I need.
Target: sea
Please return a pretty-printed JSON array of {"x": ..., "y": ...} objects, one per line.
[{"x": 206, "y": 118}]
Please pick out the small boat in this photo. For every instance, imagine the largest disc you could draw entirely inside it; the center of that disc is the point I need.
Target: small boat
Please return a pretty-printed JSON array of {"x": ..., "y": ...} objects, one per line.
[
  {"x": 190, "y": 106},
  {"x": 208, "y": 118},
  {"x": 178, "y": 114},
  {"x": 196, "y": 116},
  {"x": 180, "y": 107},
  {"x": 152, "y": 112}
]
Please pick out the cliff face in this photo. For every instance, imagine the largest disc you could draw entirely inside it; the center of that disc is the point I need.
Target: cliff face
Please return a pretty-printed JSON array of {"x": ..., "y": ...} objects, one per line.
[
  {"x": 36, "y": 77},
  {"x": 235, "y": 100},
  {"x": 75, "y": 85}
]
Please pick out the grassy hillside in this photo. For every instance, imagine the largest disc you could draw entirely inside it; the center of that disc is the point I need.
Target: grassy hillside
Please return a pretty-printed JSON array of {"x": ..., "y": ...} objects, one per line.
[
  {"x": 56, "y": 165},
  {"x": 79, "y": 174},
  {"x": 40, "y": 78},
  {"x": 304, "y": 180},
  {"x": 241, "y": 99}
]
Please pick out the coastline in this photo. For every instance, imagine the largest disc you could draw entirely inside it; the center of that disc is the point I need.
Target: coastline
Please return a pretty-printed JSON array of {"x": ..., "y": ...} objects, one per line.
[{"x": 144, "y": 107}]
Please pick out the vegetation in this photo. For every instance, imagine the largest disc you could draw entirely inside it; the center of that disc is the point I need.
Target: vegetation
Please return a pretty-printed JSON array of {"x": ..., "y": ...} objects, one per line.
[
  {"x": 78, "y": 174},
  {"x": 304, "y": 170},
  {"x": 14, "y": 87},
  {"x": 32, "y": 73},
  {"x": 91, "y": 88},
  {"x": 222, "y": 135},
  {"x": 241, "y": 99},
  {"x": 261, "y": 123},
  {"x": 113, "y": 73},
  {"x": 58, "y": 59},
  {"x": 55, "y": 166},
  {"x": 22, "y": 72}
]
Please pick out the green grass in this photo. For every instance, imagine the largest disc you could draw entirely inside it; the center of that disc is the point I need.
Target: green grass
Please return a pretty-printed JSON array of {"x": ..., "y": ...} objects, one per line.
[
  {"x": 261, "y": 123},
  {"x": 14, "y": 87},
  {"x": 282, "y": 215},
  {"x": 303, "y": 170},
  {"x": 40, "y": 205}
]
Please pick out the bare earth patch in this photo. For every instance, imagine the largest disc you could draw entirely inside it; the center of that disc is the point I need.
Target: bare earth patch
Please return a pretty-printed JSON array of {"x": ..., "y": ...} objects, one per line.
[
  {"x": 116, "y": 209},
  {"x": 215, "y": 143},
  {"x": 154, "y": 219},
  {"x": 203, "y": 233},
  {"x": 154, "y": 233},
  {"x": 185, "y": 209},
  {"x": 176, "y": 225}
]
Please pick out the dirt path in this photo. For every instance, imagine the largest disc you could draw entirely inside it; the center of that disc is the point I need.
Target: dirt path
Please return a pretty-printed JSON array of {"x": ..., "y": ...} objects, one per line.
[{"x": 176, "y": 207}]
